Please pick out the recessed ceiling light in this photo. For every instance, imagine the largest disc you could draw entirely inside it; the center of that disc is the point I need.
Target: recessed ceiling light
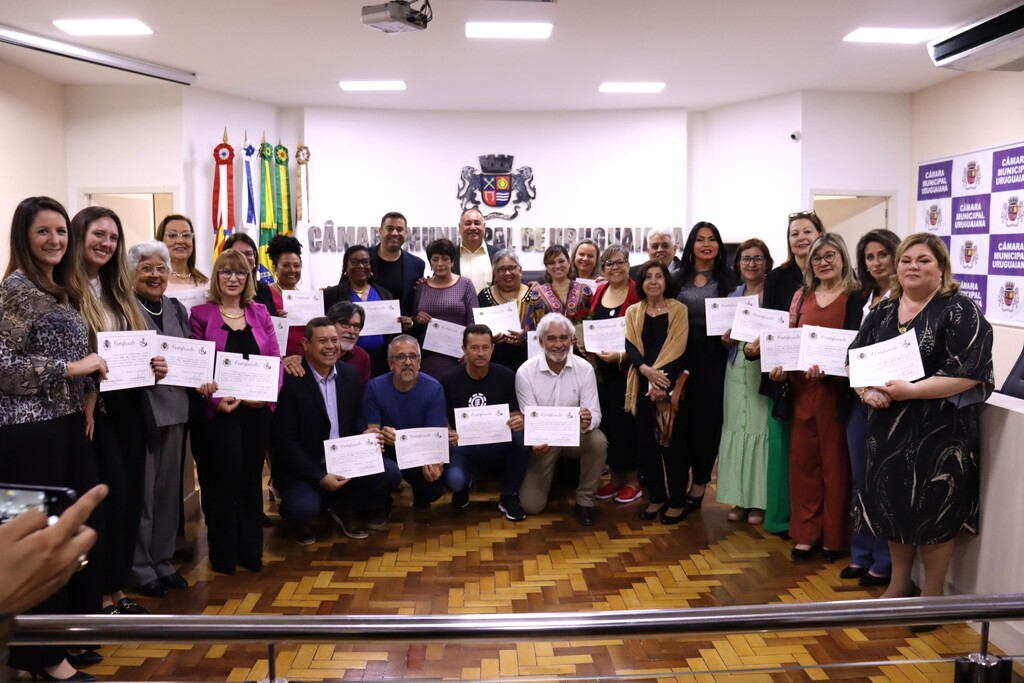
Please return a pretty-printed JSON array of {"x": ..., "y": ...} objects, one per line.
[
  {"x": 103, "y": 27},
  {"x": 898, "y": 36},
  {"x": 372, "y": 85},
  {"x": 508, "y": 29},
  {"x": 631, "y": 86}
]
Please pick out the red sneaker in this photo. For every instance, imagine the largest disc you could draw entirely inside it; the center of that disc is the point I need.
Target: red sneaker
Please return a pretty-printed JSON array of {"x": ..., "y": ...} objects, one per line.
[
  {"x": 628, "y": 493},
  {"x": 607, "y": 491}
]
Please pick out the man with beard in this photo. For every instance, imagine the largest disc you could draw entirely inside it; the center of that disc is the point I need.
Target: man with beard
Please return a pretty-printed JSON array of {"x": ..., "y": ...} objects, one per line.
[
  {"x": 392, "y": 267},
  {"x": 661, "y": 246},
  {"x": 558, "y": 378},
  {"x": 348, "y": 319}
]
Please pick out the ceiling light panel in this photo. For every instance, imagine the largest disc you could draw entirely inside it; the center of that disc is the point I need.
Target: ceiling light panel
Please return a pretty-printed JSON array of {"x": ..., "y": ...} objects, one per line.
[
  {"x": 513, "y": 30},
  {"x": 354, "y": 86},
  {"x": 103, "y": 27},
  {"x": 895, "y": 36},
  {"x": 631, "y": 87}
]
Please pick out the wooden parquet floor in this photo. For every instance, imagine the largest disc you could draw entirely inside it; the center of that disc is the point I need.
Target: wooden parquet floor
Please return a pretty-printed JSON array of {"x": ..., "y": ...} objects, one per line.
[{"x": 475, "y": 561}]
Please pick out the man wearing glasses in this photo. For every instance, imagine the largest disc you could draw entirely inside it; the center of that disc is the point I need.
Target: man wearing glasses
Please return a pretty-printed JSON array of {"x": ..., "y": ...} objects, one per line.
[
  {"x": 661, "y": 246},
  {"x": 405, "y": 398},
  {"x": 348, "y": 319}
]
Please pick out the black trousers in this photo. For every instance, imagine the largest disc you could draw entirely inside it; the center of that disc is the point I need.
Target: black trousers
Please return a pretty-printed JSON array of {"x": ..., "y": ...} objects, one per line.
[
  {"x": 120, "y": 443},
  {"x": 231, "y": 483},
  {"x": 665, "y": 470},
  {"x": 55, "y": 453},
  {"x": 616, "y": 423},
  {"x": 702, "y": 411}
]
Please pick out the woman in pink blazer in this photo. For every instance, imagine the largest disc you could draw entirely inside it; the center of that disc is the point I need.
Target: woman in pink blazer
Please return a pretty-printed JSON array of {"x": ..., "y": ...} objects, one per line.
[{"x": 231, "y": 467}]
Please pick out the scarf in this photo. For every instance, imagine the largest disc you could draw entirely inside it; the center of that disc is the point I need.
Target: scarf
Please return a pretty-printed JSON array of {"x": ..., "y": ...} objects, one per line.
[{"x": 675, "y": 345}]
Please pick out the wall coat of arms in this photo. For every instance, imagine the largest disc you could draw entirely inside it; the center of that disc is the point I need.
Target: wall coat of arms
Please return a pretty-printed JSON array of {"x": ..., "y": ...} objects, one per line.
[{"x": 496, "y": 185}]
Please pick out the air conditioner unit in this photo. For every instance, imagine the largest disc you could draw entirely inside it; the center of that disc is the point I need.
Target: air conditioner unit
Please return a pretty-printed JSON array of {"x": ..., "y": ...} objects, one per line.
[{"x": 992, "y": 44}]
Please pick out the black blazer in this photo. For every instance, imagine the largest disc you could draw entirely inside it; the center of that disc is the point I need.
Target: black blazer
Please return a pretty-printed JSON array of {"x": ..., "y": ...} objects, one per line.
[
  {"x": 265, "y": 297},
  {"x": 343, "y": 292},
  {"x": 412, "y": 271},
  {"x": 301, "y": 424}
]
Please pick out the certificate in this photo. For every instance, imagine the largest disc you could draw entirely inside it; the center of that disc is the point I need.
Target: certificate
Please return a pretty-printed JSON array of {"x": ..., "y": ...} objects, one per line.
[
  {"x": 353, "y": 456},
  {"x": 898, "y": 358},
  {"x": 281, "y": 326},
  {"x": 749, "y": 322},
  {"x": 605, "y": 336},
  {"x": 588, "y": 282},
  {"x": 483, "y": 424},
  {"x": 551, "y": 425},
  {"x": 190, "y": 297},
  {"x": 127, "y": 355},
  {"x": 781, "y": 349},
  {"x": 720, "y": 311},
  {"x": 381, "y": 317},
  {"x": 189, "y": 361},
  {"x": 252, "y": 379},
  {"x": 825, "y": 347},
  {"x": 302, "y": 307},
  {"x": 444, "y": 337},
  {"x": 503, "y": 318},
  {"x": 533, "y": 347},
  {"x": 421, "y": 446}
]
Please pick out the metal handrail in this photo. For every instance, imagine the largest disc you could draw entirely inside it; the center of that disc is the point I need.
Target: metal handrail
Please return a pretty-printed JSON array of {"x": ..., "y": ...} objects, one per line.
[{"x": 44, "y": 630}]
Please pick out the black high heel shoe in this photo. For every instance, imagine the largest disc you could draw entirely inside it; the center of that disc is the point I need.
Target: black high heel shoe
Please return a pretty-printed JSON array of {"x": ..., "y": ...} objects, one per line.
[
  {"x": 648, "y": 515},
  {"x": 672, "y": 519},
  {"x": 694, "y": 502}
]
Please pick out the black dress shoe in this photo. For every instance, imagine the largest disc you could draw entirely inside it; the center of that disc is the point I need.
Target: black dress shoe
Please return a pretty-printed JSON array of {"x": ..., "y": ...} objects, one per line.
[
  {"x": 154, "y": 589},
  {"x": 831, "y": 555},
  {"x": 852, "y": 572},
  {"x": 129, "y": 606},
  {"x": 174, "y": 580},
  {"x": 672, "y": 519},
  {"x": 223, "y": 569},
  {"x": 84, "y": 658},
  {"x": 805, "y": 553},
  {"x": 870, "y": 580},
  {"x": 585, "y": 515},
  {"x": 647, "y": 515},
  {"x": 41, "y": 675}
]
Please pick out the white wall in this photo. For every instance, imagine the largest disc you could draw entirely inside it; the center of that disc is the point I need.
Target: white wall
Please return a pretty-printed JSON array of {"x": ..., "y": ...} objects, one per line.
[
  {"x": 591, "y": 169},
  {"x": 744, "y": 171},
  {"x": 32, "y": 112},
  {"x": 857, "y": 143},
  {"x": 123, "y": 139},
  {"x": 204, "y": 117},
  {"x": 971, "y": 112}
]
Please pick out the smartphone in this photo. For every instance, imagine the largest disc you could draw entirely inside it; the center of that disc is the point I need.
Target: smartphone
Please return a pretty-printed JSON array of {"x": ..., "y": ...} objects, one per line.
[{"x": 50, "y": 500}]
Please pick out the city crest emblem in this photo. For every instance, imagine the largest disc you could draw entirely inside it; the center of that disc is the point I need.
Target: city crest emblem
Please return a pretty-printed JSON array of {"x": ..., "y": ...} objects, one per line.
[
  {"x": 972, "y": 176},
  {"x": 1012, "y": 212},
  {"x": 1009, "y": 297},
  {"x": 496, "y": 185},
  {"x": 933, "y": 217},
  {"x": 968, "y": 254}
]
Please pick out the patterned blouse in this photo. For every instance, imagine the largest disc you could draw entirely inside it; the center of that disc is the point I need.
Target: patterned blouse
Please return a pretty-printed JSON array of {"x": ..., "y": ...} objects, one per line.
[
  {"x": 38, "y": 338},
  {"x": 542, "y": 300}
]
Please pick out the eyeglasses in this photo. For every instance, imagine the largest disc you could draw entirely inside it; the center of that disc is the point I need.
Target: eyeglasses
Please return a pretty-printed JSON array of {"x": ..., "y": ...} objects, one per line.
[
  {"x": 506, "y": 269},
  {"x": 359, "y": 262},
  {"x": 347, "y": 325},
  {"x": 752, "y": 259},
  {"x": 818, "y": 259},
  {"x": 148, "y": 269},
  {"x": 228, "y": 274},
  {"x": 617, "y": 263},
  {"x": 175, "y": 236},
  {"x": 803, "y": 214},
  {"x": 405, "y": 357}
]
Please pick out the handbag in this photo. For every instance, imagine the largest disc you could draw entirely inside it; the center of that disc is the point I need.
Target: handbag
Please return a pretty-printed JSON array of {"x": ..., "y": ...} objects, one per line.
[
  {"x": 782, "y": 409},
  {"x": 665, "y": 412}
]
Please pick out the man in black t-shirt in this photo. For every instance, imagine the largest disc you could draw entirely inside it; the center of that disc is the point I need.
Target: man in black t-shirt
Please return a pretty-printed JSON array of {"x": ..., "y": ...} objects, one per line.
[
  {"x": 479, "y": 384},
  {"x": 394, "y": 268}
]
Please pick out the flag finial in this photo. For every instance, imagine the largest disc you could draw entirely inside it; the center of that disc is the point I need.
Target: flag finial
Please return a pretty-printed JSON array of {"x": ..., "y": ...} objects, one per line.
[
  {"x": 225, "y": 135},
  {"x": 264, "y": 141}
]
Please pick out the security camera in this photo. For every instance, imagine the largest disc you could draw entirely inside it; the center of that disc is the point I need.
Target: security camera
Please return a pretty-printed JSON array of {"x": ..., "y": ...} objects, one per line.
[{"x": 795, "y": 136}]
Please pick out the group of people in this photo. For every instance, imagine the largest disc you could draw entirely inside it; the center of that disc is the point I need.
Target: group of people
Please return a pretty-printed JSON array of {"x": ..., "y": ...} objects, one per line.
[{"x": 881, "y": 472}]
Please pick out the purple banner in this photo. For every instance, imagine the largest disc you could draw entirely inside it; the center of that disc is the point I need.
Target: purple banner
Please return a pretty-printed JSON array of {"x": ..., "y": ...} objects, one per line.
[
  {"x": 1008, "y": 169},
  {"x": 948, "y": 241},
  {"x": 970, "y": 214},
  {"x": 1006, "y": 254},
  {"x": 975, "y": 287},
  {"x": 933, "y": 180}
]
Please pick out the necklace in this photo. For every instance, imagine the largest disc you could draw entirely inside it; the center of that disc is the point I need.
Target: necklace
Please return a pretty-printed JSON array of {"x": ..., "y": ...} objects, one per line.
[
  {"x": 147, "y": 304},
  {"x": 361, "y": 292},
  {"x": 502, "y": 298},
  {"x": 229, "y": 316},
  {"x": 186, "y": 276}
]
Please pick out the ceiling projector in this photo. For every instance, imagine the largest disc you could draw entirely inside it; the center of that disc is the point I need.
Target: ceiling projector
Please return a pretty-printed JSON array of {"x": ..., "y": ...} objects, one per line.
[{"x": 396, "y": 16}]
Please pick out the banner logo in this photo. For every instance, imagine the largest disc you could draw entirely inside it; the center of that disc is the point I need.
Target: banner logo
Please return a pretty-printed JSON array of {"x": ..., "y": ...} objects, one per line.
[
  {"x": 1009, "y": 297},
  {"x": 972, "y": 176},
  {"x": 968, "y": 254},
  {"x": 933, "y": 217},
  {"x": 496, "y": 185},
  {"x": 1012, "y": 212}
]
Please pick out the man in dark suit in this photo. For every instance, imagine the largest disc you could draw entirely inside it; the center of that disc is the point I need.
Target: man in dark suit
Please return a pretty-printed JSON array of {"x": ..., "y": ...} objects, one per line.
[
  {"x": 325, "y": 403},
  {"x": 661, "y": 246},
  {"x": 392, "y": 267},
  {"x": 476, "y": 258}
]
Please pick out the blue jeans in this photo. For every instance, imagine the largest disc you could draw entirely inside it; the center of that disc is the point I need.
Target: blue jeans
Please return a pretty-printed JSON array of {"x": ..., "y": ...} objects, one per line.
[
  {"x": 463, "y": 462},
  {"x": 302, "y": 500},
  {"x": 865, "y": 549}
]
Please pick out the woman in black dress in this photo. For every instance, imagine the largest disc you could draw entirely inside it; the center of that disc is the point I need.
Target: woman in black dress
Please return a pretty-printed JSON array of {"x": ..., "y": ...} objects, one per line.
[{"x": 922, "y": 461}]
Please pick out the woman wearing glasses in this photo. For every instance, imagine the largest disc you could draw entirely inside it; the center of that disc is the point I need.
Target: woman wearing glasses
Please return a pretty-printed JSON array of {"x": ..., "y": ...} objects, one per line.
[
  {"x": 177, "y": 233},
  {"x": 611, "y": 300},
  {"x": 238, "y": 432},
  {"x": 819, "y": 459},
  {"x": 743, "y": 454},
  {"x": 510, "y": 346}
]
